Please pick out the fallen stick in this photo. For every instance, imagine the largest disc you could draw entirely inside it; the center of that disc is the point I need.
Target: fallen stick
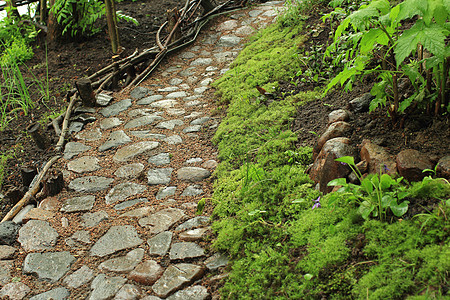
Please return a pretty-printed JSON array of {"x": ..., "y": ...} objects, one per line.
[
  {"x": 65, "y": 124},
  {"x": 32, "y": 191}
]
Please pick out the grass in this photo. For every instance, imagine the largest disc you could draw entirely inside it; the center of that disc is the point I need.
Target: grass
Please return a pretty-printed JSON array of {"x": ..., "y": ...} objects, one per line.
[{"x": 280, "y": 247}]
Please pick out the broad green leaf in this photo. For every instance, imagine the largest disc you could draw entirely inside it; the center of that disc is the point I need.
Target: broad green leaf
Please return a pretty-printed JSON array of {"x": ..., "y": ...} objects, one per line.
[
  {"x": 369, "y": 39},
  {"x": 344, "y": 24},
  {"x": 386, "y": 181},
  {"x": 361, "y": 17},
  {"x": 447, "y": 6},
  {"x": 440, "y": 13},
  {"x": 399, "y": 209},
  {"x": 367, "y": 185},
  {"x": 386, "y": 201},
  {"x": 432, "y": 62},
  {"x": 412, "y": 72},
  {"x": 346, "y": 159},
  {"x": 407, "y": 102},
  {"x": 337, "y": 182},
  {"x": 411, "y": 8},
  {"x": 402, "y": 195},
  {"x": 365, "y": 209},
  {"x": 431, "y": 37}
]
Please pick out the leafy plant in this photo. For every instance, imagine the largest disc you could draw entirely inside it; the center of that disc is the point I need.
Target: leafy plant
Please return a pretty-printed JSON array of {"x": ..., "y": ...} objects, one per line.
[
  {"x": 14, "y": 41},
  {"x": 376, "y": 193},
  {"x": 375, "y": 31}
]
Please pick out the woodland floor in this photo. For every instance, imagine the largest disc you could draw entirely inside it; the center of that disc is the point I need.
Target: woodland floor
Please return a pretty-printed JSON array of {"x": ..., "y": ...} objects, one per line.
[{"x": 68, "y": 61}]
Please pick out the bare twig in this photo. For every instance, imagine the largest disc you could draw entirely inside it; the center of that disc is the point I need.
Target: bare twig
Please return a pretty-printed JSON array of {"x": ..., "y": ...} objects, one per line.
[
  {"x": 65, "y": 125},
  {"x": 32, "y": 191}
]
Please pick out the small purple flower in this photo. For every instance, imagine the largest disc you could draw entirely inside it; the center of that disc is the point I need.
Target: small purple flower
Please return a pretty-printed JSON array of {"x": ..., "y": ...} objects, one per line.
[
  {"x": 316, "y": 203},
  {"x": 385, "y": 169},
  {"x": 343, "y": 163}
]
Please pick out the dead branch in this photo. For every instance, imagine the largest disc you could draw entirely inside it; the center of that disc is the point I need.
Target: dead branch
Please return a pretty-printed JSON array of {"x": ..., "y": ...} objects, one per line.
[
  {"x": 65, "y": 125},
  {"x": 32, "y": 191}
]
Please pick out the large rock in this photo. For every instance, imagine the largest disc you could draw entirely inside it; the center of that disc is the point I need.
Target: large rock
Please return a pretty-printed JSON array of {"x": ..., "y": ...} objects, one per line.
[
  {"x": 326, "y": 168},
  {"x": 175, "y": 277},
  {"x": 361, "y": 104},
  {"x": 48, "y": 266},
  {"x": 411, "y": 163},
  {"x": 37, "y": 235},
  {"x": 8, "y": 232},
  {"x": 60, "y": 293},
  {"x": 338, "y": 115},
  {"x": 117, "y": 238},
  {"x": 336, "y": 129},
  {"x": 443, "y": 167},
  {"x": 377, "y": 158}
]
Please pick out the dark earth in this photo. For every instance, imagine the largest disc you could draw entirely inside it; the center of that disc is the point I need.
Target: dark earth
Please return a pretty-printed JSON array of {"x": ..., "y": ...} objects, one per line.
[{"x": 69, "y": 61}]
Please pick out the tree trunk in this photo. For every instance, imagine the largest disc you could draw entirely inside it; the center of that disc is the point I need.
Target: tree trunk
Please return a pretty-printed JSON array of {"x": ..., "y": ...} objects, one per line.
[
  {"x": 111, "y": 19},
  {"x": 53, "y": 28},
  {"x": 84, "y": 87},
  {"x": 43, "y": 13}
]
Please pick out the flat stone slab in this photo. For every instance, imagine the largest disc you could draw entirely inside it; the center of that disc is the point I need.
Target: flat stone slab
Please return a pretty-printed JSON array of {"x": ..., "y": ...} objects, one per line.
[
  {"x": 138, "y": 212},
  {"x": 124, "y": 190},
  {"x": 116, "y": 108},
  {"x": 150, "y": 99},
  {"x": 159, "y": 176},
  {"x": 93, "y": 219},
  {"x": 129, "y": 203},
  {"x": 84, "y": 164},
  {"x": 7, "y": 252},
  {"x": 193, "y": 223},
  {"x": 168, "y": 89},
  {"x": 192, "y": 128},
  {"x": 79, "y": 239},
  {"x": 74, "y": 148},
  {"x": 173, "y": 140},
  {"x": 110, "y": 123},
  {"x": 115, "y": 239},
  {"x": 169, "y": 103},
  {"x": 128, "y": 152},
  {"x": 229, "y": 40},
  {"x": 166, "y": 192},
  {"x": 193, "y": 160},
  {"x": 140, "y": 92},
  {"x": 193, "y": 174},
  {"x": 125, "y": 263},
  {"x": 193, "y": 234},
  {"x": 177, "y": 95},
  {"x": 5, "y": 271},
  {"x": 90, "y": 184},
  {"x": 200, "y": 121},
  {"x": 142, "y": 121},
  {"x": 80, "y": 277},
  {"x": 162, "y": 220},
  {"x": 37, "y": 235},
  {"x": 176, "y": 111},
  {"x": 170, "y": 125},
  {"x": 202, "y": 62},
  {"x": 216, "y": 261},
  {"x": 129, "y": 291},
  {"x": 129, "y": 171},
  {"x": 76, "y": 204},
  {"x": 160, "y": 243},
  {"x": 191, "y": 191},
  {"x": 146, "y": 273},
  {"x": 160, "y": 159},
  {"x": 90, "y": 135},
  {"x": 147, "y": 134},
  {"x": 175, "y": 277},
  {"x": 185, "y": 250},
  {"x": 104, "y": 288},
  {"x": 116, "y": 139},
  {"x": 60, "y": 293},
  {"x": 48, "y": 266},
  {"x": 196, "y": 292},
  {"x": 14, "y": 290}
]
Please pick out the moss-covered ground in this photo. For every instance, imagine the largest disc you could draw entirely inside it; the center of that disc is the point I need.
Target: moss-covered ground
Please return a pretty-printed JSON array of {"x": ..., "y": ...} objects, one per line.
[{"x": 280, "y": 247}]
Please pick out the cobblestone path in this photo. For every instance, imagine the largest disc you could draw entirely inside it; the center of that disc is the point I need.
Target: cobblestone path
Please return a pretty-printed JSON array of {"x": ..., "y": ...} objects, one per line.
[{"x": 125, "y": 227}]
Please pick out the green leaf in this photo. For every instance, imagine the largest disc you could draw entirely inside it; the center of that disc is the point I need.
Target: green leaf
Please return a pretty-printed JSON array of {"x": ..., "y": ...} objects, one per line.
[
  {"x": 349, "y": 160},
  {"x": 386, "y": 182},
  {"x": 431, "y": 37},
  {"x": 399, "y": 209},
  {"x": 369, "y": 39},
  {"x": 337, "y": 182},
  {"x": 411, "y": 8},
  {"x": 365, "y": 209},
  {"x": 367, "y": 185},
  {"x": 386, "y": 200}
]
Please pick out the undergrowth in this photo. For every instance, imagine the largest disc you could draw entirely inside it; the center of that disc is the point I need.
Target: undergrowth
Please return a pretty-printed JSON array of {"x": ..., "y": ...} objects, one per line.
[{"x": 280, "y": 247}]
